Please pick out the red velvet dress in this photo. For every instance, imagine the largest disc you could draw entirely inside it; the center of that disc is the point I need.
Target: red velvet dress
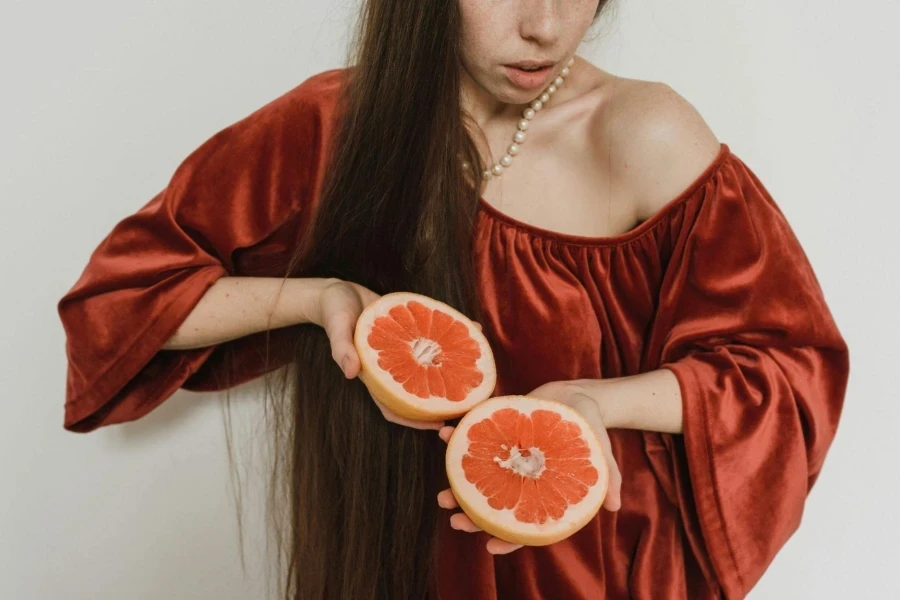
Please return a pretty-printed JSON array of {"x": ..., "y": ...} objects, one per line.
[{"x": 714, "y": 287}]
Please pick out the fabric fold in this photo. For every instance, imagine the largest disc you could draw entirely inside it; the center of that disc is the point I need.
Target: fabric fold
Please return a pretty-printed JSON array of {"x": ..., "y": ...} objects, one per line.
[{"x": 246, "y": 192}]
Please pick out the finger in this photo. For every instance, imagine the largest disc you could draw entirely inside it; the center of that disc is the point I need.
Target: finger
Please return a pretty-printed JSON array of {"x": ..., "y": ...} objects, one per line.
[
  {"x": 447, "y": 500},
  {"x": 613, "y": 500},
  {"x": 498, "y": 546},
  {"x": 446, "y": 432},
  {"x": 463, "y": 523},
  {"x": 395, "y": 418},
  {"x": 591, "y": 411},
  {"x": 340, "y": 333}
]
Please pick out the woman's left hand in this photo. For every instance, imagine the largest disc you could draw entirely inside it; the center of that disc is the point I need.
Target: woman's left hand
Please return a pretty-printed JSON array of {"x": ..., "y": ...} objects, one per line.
[{"x": 569, "y": 393}]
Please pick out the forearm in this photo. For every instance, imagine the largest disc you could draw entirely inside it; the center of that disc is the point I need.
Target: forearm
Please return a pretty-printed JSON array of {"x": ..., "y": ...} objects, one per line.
[
  {"x": 234, "y": 307},
  {"x": 649, "y": 401}
]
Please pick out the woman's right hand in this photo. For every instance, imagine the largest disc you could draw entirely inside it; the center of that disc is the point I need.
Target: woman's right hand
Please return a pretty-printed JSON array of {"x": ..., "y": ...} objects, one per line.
[{"x": 340, "y": 304}]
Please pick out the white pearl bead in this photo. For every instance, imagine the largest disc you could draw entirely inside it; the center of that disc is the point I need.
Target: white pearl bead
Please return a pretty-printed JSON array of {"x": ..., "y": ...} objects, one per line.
[
  {"x": 465, "y": 165},
  {"x": 528, "y": 114}
]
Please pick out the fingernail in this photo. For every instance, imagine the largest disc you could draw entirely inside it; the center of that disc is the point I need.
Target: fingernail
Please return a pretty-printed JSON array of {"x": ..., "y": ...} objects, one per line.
[{"x": 345, "y": 363}]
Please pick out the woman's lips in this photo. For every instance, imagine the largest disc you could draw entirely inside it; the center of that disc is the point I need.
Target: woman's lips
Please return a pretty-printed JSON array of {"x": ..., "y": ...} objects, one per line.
[{"x": 529, "y": 80}]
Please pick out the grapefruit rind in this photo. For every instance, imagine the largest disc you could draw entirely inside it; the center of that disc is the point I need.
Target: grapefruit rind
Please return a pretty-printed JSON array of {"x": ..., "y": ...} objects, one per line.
[
  {"x": 502, "y": 523},
  {"x": 391, "y": 393}
]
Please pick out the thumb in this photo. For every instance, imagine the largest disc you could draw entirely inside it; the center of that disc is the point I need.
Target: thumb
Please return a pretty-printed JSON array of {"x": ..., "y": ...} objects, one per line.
[
  {"x": 346, "y": 357},
  {"x": 339, "y": 329},
  {"x": 613, "y": 500}
]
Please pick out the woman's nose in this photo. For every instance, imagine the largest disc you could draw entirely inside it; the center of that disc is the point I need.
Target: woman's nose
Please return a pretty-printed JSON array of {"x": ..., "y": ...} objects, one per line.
[{"x": 540, "y": 21}]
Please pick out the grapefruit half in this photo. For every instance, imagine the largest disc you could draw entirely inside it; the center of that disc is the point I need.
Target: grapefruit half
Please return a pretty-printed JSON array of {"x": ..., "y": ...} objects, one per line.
[
  {"x": 423, "y": 359},
  {"x": 527, "y": 470}
]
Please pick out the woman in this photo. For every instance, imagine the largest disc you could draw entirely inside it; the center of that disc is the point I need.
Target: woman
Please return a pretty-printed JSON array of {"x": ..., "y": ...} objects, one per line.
[{"x": 620, "y": 258}]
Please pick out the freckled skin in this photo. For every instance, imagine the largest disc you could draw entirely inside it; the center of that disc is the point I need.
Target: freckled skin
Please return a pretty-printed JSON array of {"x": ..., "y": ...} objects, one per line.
[{"x": 497, "y": 33}]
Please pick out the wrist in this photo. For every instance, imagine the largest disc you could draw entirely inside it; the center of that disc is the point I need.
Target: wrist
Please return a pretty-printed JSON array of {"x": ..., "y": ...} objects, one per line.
[
  {"x": 648, "y": 401},
  {"x": 304, "y": 297},
  {"x": 613, "y": 412}
]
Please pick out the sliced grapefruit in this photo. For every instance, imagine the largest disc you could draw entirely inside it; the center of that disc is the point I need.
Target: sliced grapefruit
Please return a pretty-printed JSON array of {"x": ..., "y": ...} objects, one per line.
[
  {"x": 423, "y": 359},
  {"x": 526, "y": 470}
]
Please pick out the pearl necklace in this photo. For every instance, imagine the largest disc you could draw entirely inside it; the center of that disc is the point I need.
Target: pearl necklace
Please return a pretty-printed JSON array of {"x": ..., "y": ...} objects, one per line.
[{"x": 527, "y": 115}]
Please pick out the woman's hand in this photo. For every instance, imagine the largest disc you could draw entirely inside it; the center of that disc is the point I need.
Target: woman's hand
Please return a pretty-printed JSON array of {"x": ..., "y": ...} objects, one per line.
[
  {"x": 340, "y": 304},
  {"x": 570, "y": 394}
]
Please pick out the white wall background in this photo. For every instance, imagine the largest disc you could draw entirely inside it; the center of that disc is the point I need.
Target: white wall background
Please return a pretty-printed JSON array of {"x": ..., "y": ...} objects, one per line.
[{"x": 101, "y": 100}]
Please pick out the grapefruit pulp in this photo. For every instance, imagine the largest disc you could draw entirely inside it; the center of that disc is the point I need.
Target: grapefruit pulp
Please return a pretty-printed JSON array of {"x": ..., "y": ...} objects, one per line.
[
  {"x": 423, "y": 359},
  {"x": 527, "y": 470}
]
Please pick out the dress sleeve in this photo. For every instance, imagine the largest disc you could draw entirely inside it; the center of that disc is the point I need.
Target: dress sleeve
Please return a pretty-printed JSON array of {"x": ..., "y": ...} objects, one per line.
[
  {"x": 762, "y": 367},
  {"x": 245, "y": 184}
]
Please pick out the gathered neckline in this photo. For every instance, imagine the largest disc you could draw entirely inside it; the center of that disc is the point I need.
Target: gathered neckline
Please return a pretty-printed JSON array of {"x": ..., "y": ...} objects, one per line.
[{"x": 611, "y": 240}]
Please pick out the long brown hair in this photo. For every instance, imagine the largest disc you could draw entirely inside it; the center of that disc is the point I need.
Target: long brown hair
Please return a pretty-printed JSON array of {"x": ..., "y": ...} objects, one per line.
[{"x": 353, "y": 496}]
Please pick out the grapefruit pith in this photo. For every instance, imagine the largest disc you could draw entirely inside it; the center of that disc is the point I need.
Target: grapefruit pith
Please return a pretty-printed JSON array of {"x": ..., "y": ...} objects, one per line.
[
  {"x": 423, "y": 359},
  {"x": 527, "y": 470}
]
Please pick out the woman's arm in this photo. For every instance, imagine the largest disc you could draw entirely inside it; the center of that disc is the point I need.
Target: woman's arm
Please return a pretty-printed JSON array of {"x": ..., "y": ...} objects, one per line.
[
  {"x": 650, "y": 401},
  {"x": 234, "y": 307}
]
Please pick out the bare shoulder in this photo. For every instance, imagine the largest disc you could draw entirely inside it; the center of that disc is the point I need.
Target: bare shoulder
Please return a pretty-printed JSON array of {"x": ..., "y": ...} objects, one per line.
[{"x": 658, "y": 143}]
